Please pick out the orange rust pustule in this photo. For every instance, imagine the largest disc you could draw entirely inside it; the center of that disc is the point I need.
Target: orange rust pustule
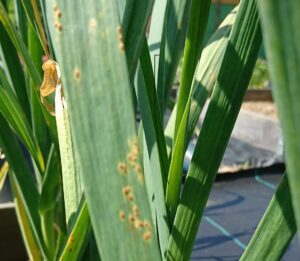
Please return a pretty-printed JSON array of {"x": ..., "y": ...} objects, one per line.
[
  {"x": 126, "y": 190},
  {"x": 55, "y": 8},
  {"x": 147, "y": 236},
  {"x": 121, "y": 39},
  {"x": 76, "y": 74},
  {"x": 138, "y": 168},
  {"x": 131, "y": 157},
  {"x": 138, "y": 224},
  {"x": 122, "y": 46},
  {"x": 135, "y": 210},
  {"x": 58, "y": 26},
  {"x": 122, "y": 215},
  {"x": 147, "y": 224},
  {"x": 122, "y": 168},
  {"x": 131, "y": 218},
  {"x": 71, "y": 239},
  {"x": 57, "y": 16},
  {"x": 130, "y": 197}
]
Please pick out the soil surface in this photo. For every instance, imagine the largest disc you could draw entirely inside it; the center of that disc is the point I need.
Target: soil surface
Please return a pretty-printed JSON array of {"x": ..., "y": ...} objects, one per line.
[{"x": 265, "y": 108}]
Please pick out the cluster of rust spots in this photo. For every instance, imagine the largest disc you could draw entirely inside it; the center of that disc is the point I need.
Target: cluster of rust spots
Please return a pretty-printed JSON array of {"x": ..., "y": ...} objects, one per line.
[
  {"x": 128, "y": 193},
  {"x": 131, "y": 212},
  {"x": 121, "y": 39},
  {"x": 135, "y": 221},
  {"x": 57, "y": 16},
  {"x": 76, "y": 74},
  {"x": 131, "y": 162},
  {"x": 132, "y": 158}
]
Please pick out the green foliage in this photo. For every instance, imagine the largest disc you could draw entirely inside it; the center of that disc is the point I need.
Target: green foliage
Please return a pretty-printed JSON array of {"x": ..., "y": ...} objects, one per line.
[
  {"x": 283, "y": 52},
  {"x": 260, "y": 75},
  {"x": 277, "y": 222},
  {"x": 93, "y": 182},
  {"x": 232, "y": 82}
]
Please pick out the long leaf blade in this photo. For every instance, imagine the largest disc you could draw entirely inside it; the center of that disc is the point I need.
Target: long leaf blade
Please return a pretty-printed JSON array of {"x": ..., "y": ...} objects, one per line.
[
  {"x": 33, "y": 16},
  {"x": 39, "y": 126},
  {"x": 276, "y": 228},
  {"x": 14, "y": 70},
  {"x": 205, "y": 77},
  {"x": 193, "y": 46},
  {"x": 192, "y": 50},
  {"x": 155, "y": 33},
  {"x": 280, "y": 20},
  {"x": 71, "y": 180},
  {"x": 155, "y": 143},
  {"x": 26, "y": 188},
  {"x": 11, "y": 110},
  {"x": 134, "y": 38},
  {"x": 172, "y": 41},
  {"x": 114, "y": 174},
  {"x": 23, "y": 52},
  {"x": 31, "y": 244},
  {"x": 235, "y": 73},
  {"x": 78, "y": 235}
]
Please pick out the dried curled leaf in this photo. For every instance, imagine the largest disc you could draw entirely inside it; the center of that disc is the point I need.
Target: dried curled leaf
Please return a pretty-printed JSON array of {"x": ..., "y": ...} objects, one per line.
[{"x": 50, "y": 82}]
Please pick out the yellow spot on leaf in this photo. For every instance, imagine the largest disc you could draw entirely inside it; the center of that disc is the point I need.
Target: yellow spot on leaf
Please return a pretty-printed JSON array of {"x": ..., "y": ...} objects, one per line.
[
  {"x": 147, "y": 224},
  {"x": 55, "y": 8},
  {"x": 122, "y": 47},
  {"x": 121, "y": 39},
  {"x": 130, "y": 197},
  {"x": 141, "y": 178},
  {"x": 122, "y": 215},
  {"x": 58, "y": 26},
  {"x": 131, "y": 218},
  {"x": 93, "y": 24},
  {"x": 76, "y": 74},
  {"x": 122, "y": 167},
  {"x": 126, "y": 190},
  {"x": 135, "y": 210},
  {"x": 147, "y": 236},
  {"x": 57, "y": 15},
  {"x": 138, "y": 224},
  {"x": 138, "y": 168}
]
